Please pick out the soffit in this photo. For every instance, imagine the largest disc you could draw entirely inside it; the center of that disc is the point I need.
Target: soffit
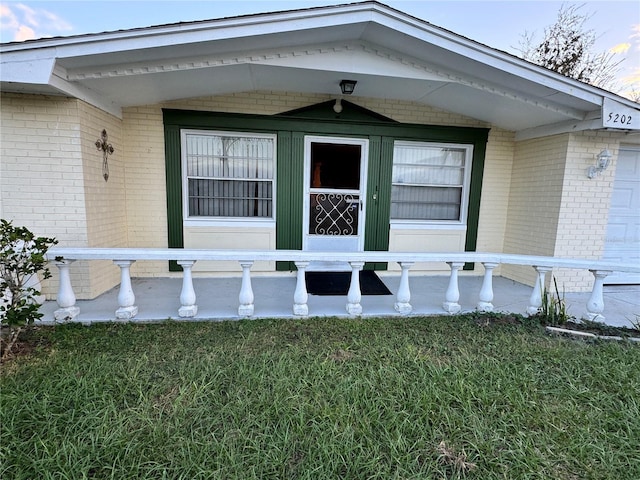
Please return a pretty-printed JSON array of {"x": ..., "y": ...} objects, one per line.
[{"x": 391, "y": 55}]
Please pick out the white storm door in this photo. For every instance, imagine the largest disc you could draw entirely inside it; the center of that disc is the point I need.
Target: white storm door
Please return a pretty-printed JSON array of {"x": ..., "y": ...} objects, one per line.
[
  {"x": 622, "y": 243},
  {"x": 334, "y": 194}
]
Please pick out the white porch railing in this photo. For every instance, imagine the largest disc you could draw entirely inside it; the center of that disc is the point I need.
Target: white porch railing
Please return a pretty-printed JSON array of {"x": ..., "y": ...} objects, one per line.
[{"x": 125, "y": 257}]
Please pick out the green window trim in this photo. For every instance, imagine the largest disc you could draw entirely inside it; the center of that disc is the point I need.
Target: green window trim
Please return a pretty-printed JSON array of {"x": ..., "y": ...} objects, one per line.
[{"x": 291, "y": 129}]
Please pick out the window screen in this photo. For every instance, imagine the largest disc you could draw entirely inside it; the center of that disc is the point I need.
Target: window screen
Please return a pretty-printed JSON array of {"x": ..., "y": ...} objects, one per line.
[
  {"x": 229, "y": 175},
  {"x": 428, "y": 182}
]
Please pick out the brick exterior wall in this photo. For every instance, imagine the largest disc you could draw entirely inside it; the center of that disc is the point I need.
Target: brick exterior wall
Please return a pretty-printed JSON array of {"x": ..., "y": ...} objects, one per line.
[
  {"x": 536, "y": 198},
  {"x": 41, "y": 173},
  {"x": 105, "y": 200},
  {"x": 51, "y": 181},
  {"x": 555, "y": 209},
  {"x": 581, "y": 229},
  {"x": 534, "y": 201}
]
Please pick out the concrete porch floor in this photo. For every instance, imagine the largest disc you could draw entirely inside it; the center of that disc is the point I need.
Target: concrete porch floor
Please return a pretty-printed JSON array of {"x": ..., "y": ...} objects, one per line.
[{"x": 217, "y": 299}]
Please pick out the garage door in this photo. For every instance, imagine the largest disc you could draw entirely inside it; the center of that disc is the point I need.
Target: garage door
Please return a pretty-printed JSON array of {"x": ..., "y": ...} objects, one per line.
[{"x": 622, "y": 244}]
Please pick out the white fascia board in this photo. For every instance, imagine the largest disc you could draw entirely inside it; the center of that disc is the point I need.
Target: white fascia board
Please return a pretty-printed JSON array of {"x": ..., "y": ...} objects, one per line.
[
  {"x": 198, "y": 32},
  {"x": 356, "y": 15},
  {"x": 619, "y": 116},
  {"x": 497, "y": 59},
  {"x": 34, "y": 69},
  {"x": 613, "y": 116},
  {"x": 558, "y": 128}
]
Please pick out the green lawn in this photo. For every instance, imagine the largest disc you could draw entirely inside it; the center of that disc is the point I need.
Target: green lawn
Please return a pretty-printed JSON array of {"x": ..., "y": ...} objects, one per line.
[{"x": 441, "y": 397}]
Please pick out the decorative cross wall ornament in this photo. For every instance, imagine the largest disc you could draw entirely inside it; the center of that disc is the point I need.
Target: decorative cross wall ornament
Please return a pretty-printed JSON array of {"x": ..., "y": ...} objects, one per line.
[{"x": 107, "y": 149}]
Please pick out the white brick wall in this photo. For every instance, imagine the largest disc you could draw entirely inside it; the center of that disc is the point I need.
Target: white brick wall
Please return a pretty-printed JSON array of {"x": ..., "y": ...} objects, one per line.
[
  {"x": 536, "y": 198},
  {"x": 534, "y": 201},
  {"x": 554, "y": 209},
  {"x": 496, "y": 186},
  {"x": 145, "y": 184},
  {"x": 105, "y": 201},
  {"x": 585, "y": 203},
  {"x": 42, "y": 172}
]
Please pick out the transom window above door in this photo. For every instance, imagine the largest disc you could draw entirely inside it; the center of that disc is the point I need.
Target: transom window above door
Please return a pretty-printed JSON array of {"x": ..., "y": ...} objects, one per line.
[
  {"x": 228, "y": 175},
  {"x": 430, "y": 182}
]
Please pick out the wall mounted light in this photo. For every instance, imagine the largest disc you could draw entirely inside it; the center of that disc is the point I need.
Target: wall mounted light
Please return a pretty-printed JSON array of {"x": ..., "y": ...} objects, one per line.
[
  {"x": 348, "y": 86},
  {"x": 602, "y": 162}
]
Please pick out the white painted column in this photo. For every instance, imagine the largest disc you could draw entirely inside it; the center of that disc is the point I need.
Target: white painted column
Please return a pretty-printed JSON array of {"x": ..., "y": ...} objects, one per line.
[
  {"x": 126, "y": 299},
  {"x": 66, "y": 298},
  {"x": 452, "y": 295},
  {"x": 354, "y": 295},
  {"x": 595, "y": 305},
  {"x": 535, "y": 301},
  {"x": 486, "y": 291},
  {"x": 403, "y": 297},
  {"x": 33, "y": 281},
  {"x": 246, "y": 293},
  {"x": 188, "y": 307},
  {"x": 300, "y": 296}
]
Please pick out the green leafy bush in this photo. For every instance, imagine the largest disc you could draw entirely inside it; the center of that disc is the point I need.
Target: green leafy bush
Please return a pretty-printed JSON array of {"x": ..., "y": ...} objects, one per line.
[{"x": 22, "y": 258}]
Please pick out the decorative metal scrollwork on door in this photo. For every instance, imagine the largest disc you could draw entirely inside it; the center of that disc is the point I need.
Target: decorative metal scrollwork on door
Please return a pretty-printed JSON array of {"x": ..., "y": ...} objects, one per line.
[{"x": 334, "y": 214}]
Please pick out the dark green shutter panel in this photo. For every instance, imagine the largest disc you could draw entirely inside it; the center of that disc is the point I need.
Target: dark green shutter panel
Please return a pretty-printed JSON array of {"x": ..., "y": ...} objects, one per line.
[
  {"x": 475, "y": 192},
  {"x": 378, "y": 190},
  {"x": 174, "y": 190},
  {"x": 289, "y": 194}
]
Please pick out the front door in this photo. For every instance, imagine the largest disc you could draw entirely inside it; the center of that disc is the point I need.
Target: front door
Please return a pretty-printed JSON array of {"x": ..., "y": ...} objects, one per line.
[
  {"x": 334, "y": 194},
  {"x": 622, "y": 243}
]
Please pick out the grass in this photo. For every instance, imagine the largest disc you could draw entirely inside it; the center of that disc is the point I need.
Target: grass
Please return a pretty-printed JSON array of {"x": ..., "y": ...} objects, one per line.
[{"x": 441, "y": 398}]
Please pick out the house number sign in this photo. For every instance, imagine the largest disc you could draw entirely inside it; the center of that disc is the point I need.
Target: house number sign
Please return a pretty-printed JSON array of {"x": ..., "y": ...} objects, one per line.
[
  {"x": 107, "y": 149},
  {"x": 616, "y": 115}
]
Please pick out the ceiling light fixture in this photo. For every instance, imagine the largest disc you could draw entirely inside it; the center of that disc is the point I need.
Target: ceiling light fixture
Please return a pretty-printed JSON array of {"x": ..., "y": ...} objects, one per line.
[{"x": 347, "y": 86}]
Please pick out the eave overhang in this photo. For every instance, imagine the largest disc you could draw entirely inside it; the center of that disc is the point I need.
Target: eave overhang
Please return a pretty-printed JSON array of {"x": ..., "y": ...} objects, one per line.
[{"x": 392, "y": 55}]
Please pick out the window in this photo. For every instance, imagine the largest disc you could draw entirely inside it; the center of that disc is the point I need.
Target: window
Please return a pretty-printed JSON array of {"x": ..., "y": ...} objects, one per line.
[
  {"x": 228, "y": 175},
  {"x": 430, "y": 182}
]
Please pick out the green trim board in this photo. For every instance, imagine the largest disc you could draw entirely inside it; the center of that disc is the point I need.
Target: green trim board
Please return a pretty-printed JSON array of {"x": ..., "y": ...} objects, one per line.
[
  {"x": 174, "y": 190},
  {"x": 475, "y": 194},
  {"x": 291, "y": 128},
  {"x": 198, "y": 119}
]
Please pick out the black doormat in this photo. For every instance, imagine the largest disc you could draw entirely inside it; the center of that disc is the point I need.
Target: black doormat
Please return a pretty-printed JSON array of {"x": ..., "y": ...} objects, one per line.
[{"x": 337, "y": 283}]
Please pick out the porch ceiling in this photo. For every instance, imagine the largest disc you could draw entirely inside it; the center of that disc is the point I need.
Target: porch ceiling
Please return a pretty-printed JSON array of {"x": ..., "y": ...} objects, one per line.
[{"x": 390, "y": 54}]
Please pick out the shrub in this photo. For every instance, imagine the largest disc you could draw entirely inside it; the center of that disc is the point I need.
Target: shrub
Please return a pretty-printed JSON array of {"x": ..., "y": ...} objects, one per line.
[{"x": 22, "y": 258}]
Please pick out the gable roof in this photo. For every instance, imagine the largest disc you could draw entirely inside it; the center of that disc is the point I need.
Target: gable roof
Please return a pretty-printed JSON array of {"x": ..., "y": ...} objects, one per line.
[{"x": 390, "y": 54}]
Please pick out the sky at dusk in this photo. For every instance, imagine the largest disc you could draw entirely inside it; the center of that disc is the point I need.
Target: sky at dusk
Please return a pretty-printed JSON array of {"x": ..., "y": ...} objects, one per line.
[{"x": 498, "y": 24}]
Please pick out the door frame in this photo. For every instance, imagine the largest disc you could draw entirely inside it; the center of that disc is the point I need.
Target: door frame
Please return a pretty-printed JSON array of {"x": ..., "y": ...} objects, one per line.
[{"x": 306, "y": 191}]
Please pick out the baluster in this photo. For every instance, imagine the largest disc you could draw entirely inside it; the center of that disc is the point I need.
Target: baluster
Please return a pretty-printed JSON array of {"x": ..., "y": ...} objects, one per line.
[
  {"x": 452, "y": 294},
  {"x": 535, "y": 301},
  {"x": 486, "y": 291},
  {"x": 595, "y": 305},
  {"x": 33, "y": 281},
  {"x": 66, "y": 298},
  {"x": 301, "y": 296},
  {"x": 354, "y": 295},
  {"x": 188, "y": 306},
  {"x": 126, "y": 299},
  {"x": 403, "y": 297},
  {"x": 246, "y": 293}
]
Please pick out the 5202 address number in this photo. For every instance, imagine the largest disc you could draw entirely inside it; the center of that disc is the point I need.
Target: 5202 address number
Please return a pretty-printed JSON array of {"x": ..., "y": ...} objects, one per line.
[{"x": 618, "y": 118}]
